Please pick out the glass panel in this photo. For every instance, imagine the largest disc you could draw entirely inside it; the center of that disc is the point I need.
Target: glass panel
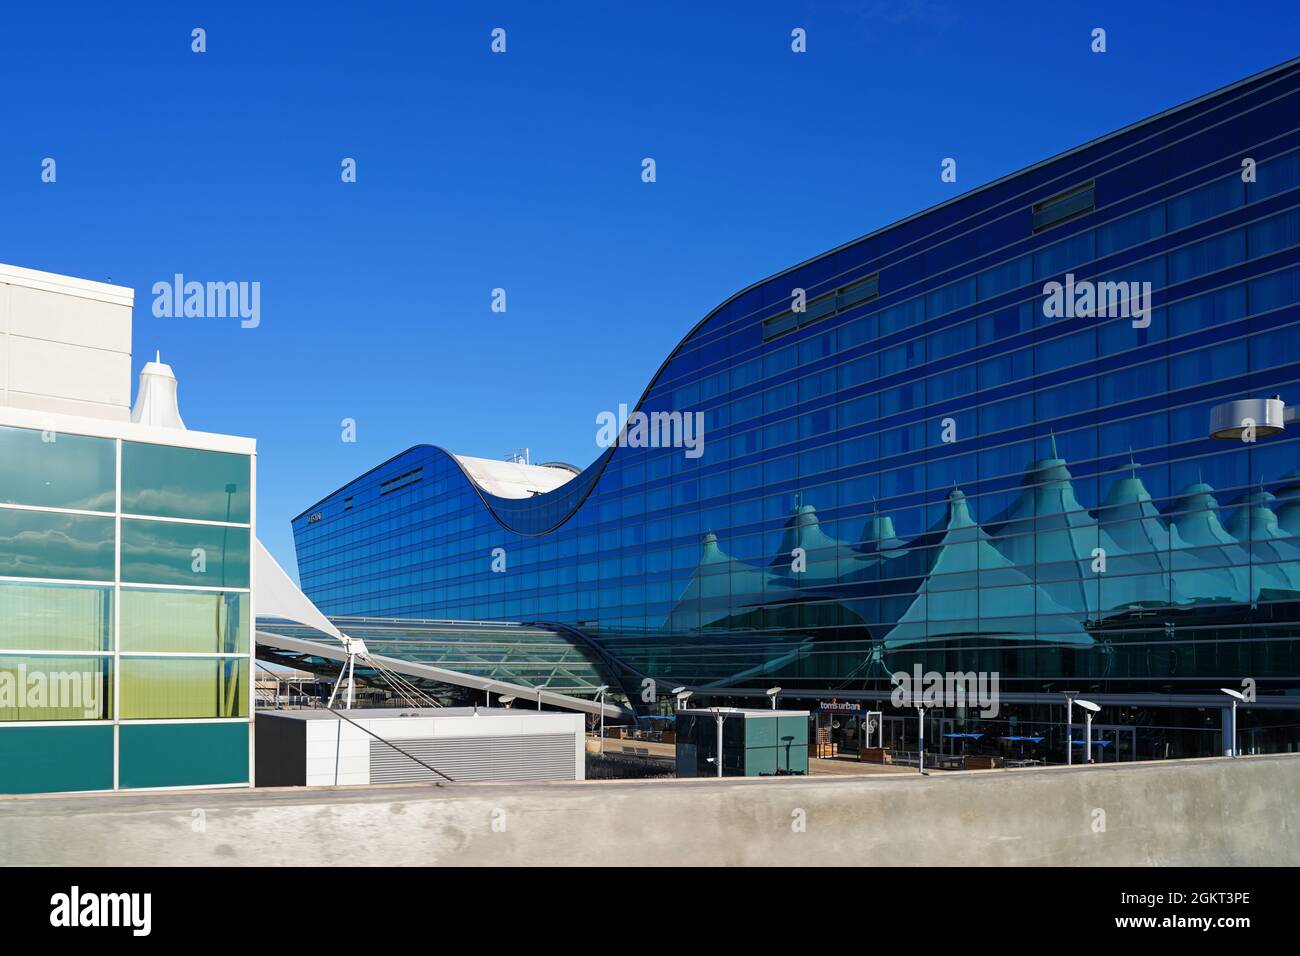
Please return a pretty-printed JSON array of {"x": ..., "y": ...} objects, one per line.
[
  {"x": 163, "y": 552},
  {"x": 43, "y": 687},
  {"x": 41, "y": 544},
  {"x": 184, "y": 483},
  {"x": 155, "y": 688},
  {"x": 55, "y": 617},
  {"x": 184, "y": 621},
  {"x": 56, "y": 470}
]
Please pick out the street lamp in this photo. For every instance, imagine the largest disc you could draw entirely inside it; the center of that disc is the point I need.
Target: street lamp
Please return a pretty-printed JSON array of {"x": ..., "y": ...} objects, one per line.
[
  {"x": 920, "y": 722},
  {"x": 772, "y": 692},
  {"x": 1089, "y": 709},
  {"x": 1069, "y": 727},
  {"x": 505, "y": 702},
  {"x": 1236, "y": 695},
  {"x": 600, "y": 699},
  {"x": 682, "y": 695}
]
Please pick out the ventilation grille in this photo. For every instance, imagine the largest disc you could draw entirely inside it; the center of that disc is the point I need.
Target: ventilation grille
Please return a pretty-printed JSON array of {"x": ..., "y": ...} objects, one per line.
[{"x": 524, "y": 757}]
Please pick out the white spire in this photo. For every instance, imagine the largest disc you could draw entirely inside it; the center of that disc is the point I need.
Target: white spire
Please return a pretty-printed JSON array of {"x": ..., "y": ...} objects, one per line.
[{"x": 155, "y": 402}]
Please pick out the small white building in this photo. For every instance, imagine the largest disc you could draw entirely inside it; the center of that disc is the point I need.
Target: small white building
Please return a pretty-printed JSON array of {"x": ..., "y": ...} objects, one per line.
[{"x": 317, "y": 748}]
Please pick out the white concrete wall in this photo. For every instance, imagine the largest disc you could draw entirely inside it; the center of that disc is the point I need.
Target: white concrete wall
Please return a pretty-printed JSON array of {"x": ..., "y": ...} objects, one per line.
[
  {"x": 65, "y": 344},
  {"x": 335, "y": 746},
  {"x": 1211, "y": 812}
]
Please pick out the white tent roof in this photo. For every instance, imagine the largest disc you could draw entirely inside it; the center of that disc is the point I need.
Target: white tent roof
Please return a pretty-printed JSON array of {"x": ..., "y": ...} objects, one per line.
[{"x": 512, "y": 479}]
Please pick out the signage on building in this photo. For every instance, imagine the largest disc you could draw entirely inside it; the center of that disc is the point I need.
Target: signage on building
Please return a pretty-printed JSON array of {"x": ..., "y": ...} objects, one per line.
[
  {"x": 837, "y": 707},
  {"x": 313, "y": 518}
]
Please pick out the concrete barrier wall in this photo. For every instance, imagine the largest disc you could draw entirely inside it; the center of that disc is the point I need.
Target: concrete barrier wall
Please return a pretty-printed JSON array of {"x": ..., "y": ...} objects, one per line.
[{"x": 1199, "y": 812}]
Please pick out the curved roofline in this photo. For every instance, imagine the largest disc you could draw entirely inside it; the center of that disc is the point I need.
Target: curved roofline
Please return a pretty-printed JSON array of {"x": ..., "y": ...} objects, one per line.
[{"x": 603, "y": 459}]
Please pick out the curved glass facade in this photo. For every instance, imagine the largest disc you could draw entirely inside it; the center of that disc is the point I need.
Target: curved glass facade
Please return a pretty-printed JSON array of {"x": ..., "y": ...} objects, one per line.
[{"x": 981, "y": 446}]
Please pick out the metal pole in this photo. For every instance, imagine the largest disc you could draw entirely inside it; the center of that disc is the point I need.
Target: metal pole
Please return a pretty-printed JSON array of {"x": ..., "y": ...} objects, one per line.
[
  {"x": 1088, "y": 746},
  {"x": 1069, "y": 730},
  {"x": 601, "y": 700},
  {"x": 1234, "y": 726},
  {"x": 920, "y": 757},
  {"x": 719, "y": 718}
]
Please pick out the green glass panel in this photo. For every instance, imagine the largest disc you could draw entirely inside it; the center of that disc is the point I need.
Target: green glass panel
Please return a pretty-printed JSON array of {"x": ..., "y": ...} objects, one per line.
[
  {"x": 46, "y": 687},
  {"x": 157, "y": 688},
  {"x": 55, "y": 617},
  {"x": 42, "y": 544},
  {"x": 57, "y": 470},
  {"x": 56, "y": 759},
  {"x": 195, "y": 622},
  {"x": 199, "y": 555},
  {"x": 183, "y": 755},
  {"x": 185, "y": 483}
]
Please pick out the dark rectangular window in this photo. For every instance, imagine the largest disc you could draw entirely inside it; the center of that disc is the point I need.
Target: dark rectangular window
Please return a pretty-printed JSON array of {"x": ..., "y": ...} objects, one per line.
[
  {"x": 1068, "y": 205},
  {"x": 822, "y": 306},
  {"x": 859, "y": 291}
]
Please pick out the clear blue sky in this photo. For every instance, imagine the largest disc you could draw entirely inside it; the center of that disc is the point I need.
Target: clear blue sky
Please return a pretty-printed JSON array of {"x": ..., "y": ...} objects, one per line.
[{"x": 522, "y": 171}]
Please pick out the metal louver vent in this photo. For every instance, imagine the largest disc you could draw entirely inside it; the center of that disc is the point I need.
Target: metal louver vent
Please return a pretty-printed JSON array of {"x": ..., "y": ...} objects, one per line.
[{"x": 524, "y": 757}]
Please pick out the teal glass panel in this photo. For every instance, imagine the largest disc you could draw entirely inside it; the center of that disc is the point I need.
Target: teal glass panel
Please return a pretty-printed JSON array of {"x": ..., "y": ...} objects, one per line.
[
  {"x": 55, "y": 687},
  {"x": 42, "y": 544},
  {"x": 55, "y": 759},
  {"x": 57, "y": 470},
  {"x": 55, "y": 617},
  {"x": 182, "y": 755},
  {"x": 185, "y": 483},
  {"x": 195, "y": 622},
  {"x": 198, "y": 555}
]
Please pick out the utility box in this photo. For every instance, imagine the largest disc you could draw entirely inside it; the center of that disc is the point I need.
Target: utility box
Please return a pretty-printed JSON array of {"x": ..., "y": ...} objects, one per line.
[{"x": 755, "y": 742}]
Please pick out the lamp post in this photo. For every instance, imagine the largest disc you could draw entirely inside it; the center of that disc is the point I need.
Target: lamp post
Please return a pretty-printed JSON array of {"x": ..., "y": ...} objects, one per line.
[
  {"x": 505, "y": 702},
  {"x": 1089, "y": 709},
  {"x": 682, "y": 695},
  {"x": 771, "y": 693},
  {"x": 1236, "y": 695},
  {"x": 920, "y": 754},
  {"x": 1069, "y": 727},
  {"x": 600, "y": 699}
]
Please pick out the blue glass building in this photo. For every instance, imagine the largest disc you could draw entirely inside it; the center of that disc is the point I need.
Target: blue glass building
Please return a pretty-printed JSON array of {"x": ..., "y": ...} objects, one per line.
[{"x": 932, "y": 462}]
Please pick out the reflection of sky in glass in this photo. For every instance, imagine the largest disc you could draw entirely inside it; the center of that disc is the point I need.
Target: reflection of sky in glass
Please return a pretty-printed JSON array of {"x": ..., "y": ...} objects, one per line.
[
  {"x": 72, "y": 471},
  {"x": 36, "y": 544},
  {"x": 184, "y": 483},
  {"x": 158, "y": 552}
]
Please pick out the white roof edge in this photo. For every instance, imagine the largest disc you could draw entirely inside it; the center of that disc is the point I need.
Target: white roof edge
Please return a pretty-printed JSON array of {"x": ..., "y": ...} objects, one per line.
[
  {"x": 131, "y": 431},
  {"x": 68, "y": 285},
  {"x": 512, "y": 479}
]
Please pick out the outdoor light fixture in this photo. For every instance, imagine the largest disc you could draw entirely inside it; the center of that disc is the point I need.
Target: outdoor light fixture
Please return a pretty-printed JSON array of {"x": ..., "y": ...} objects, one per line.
[
  {"x": 600, "y": 699},
  {"x": 1069, "y": 727},
  {"x": 772, "y": 692},
  {"x": 682, "y": 695},
  {"x": 1260, "y": 417},
  {"x": 505, "y": 701},
  {"x": 1089, "y": 709},
  {"x": 1236, "y": 695}
]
